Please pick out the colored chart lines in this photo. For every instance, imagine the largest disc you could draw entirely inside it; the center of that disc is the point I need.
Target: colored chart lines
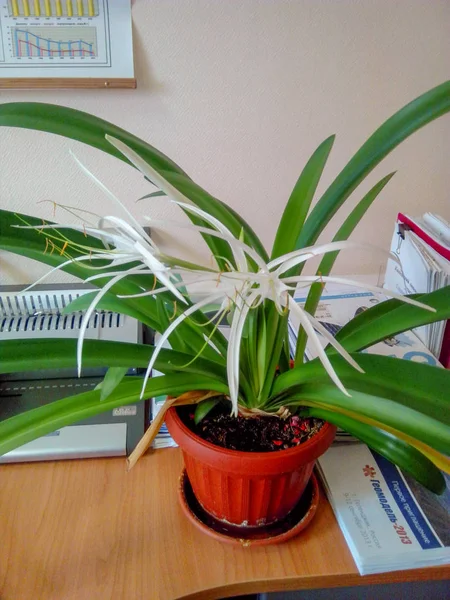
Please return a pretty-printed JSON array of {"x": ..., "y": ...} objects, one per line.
[
  {"x": 53, "y": 8},
  {"x": 51, "y": 42}
]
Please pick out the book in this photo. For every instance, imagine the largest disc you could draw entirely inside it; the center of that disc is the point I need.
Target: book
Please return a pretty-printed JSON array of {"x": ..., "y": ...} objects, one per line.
[
  {"x": 389, "y": 521},
  {"x": 422, "y": 245}
]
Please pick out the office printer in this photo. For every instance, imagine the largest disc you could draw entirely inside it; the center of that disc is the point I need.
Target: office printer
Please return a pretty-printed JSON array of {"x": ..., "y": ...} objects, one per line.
[{"x": 38, "y": 314}]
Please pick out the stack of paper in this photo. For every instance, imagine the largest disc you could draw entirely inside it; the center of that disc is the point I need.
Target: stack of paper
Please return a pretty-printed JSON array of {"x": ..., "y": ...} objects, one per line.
[
  {"x": 423, "y": 247},
  {"x": 389, "y": 521}
]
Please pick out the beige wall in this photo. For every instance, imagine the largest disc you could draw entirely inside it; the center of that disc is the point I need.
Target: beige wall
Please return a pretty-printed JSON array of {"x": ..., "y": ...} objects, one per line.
[{"x": 240, "y": 93}]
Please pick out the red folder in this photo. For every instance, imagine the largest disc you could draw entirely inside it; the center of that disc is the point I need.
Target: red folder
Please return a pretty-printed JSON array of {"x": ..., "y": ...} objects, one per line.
[
  {"x": 444, "y": 357},
  {"x": 440, "y": 249}
]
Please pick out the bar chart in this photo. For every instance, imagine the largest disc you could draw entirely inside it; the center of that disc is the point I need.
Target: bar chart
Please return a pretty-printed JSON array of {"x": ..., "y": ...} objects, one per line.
[
  {"x": 53, "y": 8},
  {"x": 32, "y": 42}
]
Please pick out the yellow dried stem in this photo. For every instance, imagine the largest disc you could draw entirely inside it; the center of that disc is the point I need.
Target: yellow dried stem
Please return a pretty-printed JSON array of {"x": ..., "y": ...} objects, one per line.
[{"x": 192, "y": 397}]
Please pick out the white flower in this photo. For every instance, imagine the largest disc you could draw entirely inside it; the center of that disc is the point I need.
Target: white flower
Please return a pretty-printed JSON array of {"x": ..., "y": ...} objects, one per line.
[
  {"x": 244, "y": 290},
  {"x": 241, "y": 289}
]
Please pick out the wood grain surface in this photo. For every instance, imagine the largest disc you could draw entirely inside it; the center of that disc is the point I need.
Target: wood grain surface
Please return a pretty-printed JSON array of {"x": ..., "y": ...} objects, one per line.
[
  {"x": 87, "y": 530},
  {"x": 28, "y": 83}
]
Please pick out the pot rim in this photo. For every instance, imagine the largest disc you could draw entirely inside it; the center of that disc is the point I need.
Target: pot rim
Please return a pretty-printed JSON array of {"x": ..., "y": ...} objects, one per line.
[{"x": 317, "y": 438}]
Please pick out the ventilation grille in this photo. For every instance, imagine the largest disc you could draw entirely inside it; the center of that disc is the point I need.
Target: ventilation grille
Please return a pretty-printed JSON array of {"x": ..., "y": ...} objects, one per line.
[{"x": 35, "y": 312}]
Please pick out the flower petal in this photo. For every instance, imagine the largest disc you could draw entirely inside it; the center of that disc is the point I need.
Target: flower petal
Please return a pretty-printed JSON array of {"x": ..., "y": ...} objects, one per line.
[
  {"x": 292, "y": 259},
  {"x": 164, "y": 337},
  {"x": 112, "y": 197},
  {"x": 365, "y": 286},
  {"x": 312, "y": 336}
]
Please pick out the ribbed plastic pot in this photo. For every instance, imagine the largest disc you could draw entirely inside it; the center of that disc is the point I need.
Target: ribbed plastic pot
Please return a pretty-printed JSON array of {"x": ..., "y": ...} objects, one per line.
[{"x": 247, "y": 488}]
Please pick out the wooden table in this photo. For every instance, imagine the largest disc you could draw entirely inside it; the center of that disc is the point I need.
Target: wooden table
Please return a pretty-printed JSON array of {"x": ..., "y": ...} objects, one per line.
[{"x": 87, "y": 530}]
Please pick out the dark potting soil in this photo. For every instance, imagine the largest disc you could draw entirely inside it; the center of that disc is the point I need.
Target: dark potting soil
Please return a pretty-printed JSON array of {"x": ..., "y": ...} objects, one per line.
[{"x": 254, "y": 434}]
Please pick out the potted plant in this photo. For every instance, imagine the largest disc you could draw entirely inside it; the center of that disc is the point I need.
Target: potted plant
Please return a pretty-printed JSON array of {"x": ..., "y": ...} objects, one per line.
[{"x": 399, "y": 409}]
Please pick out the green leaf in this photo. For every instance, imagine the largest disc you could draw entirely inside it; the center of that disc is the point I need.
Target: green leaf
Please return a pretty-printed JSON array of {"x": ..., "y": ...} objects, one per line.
[
  {"x": 393, "y": 414},
  {"x": 226, "y": 215},
  {"x": 110, "y": 303},
  {"x": 413, "y": 116},
  {"x": 261, "y": 348},
  {"x": 297, "y": 208},
  {"x": 152, "y": 195},
  {"x": 392, "y": 317},
  {"x": 204, "y": 408},
  {"x": 113, "y": 377},
  {"x": 40, "y": 354},
  {"x": 276, "y": 331},
  {"x": 414, "y": 385},
  {"x": 327, "y": 262},
  {"x": 82, "y": 127},
  {"x": 34, "y": 423},
  {"x": 32, "y": 244},
  {"x": 393, "y": 449},
  {"x": 92, "y": 130}
]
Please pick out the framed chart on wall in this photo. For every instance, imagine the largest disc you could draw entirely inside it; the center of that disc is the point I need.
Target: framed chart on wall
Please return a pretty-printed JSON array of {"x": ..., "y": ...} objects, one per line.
[{"x": 66, "y": 44}]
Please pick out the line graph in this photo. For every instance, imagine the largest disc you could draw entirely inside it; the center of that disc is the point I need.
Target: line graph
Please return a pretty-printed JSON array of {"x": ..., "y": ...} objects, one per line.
[
  {"x": 53, "y": 8},
  {"x": 51, "y": 42}
]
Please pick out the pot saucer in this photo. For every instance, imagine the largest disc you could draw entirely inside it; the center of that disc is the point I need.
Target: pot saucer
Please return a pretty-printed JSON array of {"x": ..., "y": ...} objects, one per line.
[{"x": 295, "y": 522}]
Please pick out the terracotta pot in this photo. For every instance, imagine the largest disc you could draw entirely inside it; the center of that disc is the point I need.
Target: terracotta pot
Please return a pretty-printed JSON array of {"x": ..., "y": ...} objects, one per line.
[{"x": 247, "y": 488}]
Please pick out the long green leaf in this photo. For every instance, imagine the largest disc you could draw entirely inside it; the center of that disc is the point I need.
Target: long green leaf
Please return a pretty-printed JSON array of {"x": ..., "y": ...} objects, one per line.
[
  {"x": 82, "y": 127},
  {"x": 92, "y": 130},
  {"x": 327, "y": 262},
  {"x": 395, "y": 450},
  {"x": 414, "y": 385},
  {"x": 34, "y": 423},
  {"x": 32, "y": 244},
  {"x": 390, "y": 413},
  {"x": 297, "y": 207},
  {"x": 40, "y": 354},
  {"x": 111, "y": 303},
  {"x": 416, "y": 114},
  {"x": 218, "y": 209},
  {"x": 381, "y": 322},
  {"x": 277, "y": 326}
]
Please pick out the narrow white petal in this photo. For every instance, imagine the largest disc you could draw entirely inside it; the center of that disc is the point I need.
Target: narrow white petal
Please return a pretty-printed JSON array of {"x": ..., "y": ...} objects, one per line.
[
  {"x": 241, "y": 311},
  {"x": 312, "y": 336},
  {"x": 88, "y": 314},
  {"x": 112, "y": 197},
  {"x": 292, "y": 259},
  {"x": 154, "y": 176},
  {"x": 164, "y": 337},
  {"x": 230, "y": 239},
  {"x": 61, "y": 266},
  {"x": 166, "y": 289},
  {"x": 135, "y": 271},
  {"x": 366, "y": 286},
  {"x": 330, "y": 338},
  {"x": 238, "y": 254},
  {"x": 159, "y": 271}
]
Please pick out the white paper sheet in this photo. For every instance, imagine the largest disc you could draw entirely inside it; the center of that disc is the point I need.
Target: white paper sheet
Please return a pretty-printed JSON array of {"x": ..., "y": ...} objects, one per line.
[{"x": 66, "y": 39}]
